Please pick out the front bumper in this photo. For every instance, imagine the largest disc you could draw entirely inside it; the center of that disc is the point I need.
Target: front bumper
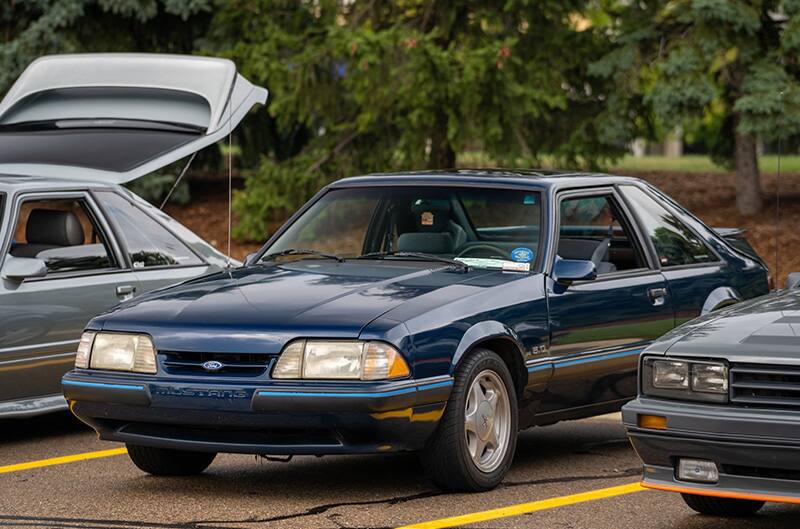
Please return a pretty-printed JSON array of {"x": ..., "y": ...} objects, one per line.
[
  {"x": 757, "y": 452},
  {"x": 259, "y": 417}
]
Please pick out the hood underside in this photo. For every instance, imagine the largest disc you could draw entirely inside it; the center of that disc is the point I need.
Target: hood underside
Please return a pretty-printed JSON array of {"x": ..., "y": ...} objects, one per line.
[{"x": 116, "y": 117}]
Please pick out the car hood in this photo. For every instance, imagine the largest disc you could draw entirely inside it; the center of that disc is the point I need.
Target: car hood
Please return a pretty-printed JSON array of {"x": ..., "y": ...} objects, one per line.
[
  {"x": 763, "y": 330},
  {"x": 114, "y": 117},
  {"x": 259, "y": 308}
]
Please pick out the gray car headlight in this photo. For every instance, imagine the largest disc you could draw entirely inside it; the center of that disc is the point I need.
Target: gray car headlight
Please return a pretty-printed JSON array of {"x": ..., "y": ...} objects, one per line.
[
  {"x": 340, "y": 360},
  {"x": 122, "y": 352},
  {"x": 685, "y": 379}
]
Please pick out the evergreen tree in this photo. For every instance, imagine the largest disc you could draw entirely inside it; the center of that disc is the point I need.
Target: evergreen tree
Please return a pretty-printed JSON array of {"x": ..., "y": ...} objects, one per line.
[
  {"x": 378, "y": 86},
  {"x": 734, "y": 60}
]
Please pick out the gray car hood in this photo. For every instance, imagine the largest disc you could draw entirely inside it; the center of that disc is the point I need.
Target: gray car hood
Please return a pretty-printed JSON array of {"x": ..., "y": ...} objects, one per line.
[{"x": 763, "y": 330}]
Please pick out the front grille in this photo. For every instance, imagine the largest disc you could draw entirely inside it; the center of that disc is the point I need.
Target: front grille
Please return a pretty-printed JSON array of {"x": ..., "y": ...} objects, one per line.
[
  {"x": 239, "y": 364},
  {"x": 777, "y": 386}
]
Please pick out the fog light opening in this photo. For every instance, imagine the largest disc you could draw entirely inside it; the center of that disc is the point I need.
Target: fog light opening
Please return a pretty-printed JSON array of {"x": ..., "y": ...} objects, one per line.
[
  {"x": 698, "y": 471},
  {"x": 653, "y": 422}
]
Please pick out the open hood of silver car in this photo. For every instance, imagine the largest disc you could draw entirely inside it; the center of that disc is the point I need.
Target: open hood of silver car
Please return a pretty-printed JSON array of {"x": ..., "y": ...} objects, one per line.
[{"x": 115, "y": 116}]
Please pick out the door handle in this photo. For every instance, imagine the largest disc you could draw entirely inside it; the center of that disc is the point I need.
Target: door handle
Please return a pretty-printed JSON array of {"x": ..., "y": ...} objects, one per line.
[
  {"x": 126, "y": 291},
  {"x": 657, "y": 295}
]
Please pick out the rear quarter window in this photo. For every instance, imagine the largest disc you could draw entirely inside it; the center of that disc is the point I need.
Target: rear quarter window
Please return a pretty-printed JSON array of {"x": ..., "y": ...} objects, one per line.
[
  {"x": 148, "y": 243},
  {"x": 674, "y": 242}
]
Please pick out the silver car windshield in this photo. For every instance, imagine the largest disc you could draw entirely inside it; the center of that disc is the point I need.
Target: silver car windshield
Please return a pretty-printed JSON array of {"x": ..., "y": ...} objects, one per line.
[{"x": 479, "y": 227}]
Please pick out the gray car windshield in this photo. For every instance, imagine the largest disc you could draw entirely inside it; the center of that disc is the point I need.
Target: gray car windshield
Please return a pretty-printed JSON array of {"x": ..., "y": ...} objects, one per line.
[{"x": 483, "y": 228}]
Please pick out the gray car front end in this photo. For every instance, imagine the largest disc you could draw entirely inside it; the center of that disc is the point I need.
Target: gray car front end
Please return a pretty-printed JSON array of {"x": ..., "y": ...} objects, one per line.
[{"x": 717, "y": 418}]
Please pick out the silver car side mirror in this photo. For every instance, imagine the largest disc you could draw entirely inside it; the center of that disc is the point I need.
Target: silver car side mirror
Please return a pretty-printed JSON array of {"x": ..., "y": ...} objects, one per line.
[{"x": 21, "y": 268}]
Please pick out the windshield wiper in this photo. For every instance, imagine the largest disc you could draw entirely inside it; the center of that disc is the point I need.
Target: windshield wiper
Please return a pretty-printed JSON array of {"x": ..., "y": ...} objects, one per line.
[
  {"x": 416, "y": 255},
  {"x": 303, "y": 251}
]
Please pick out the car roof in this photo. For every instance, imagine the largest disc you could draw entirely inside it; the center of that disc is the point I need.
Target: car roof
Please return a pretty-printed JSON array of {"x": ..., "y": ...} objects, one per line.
[
  {"x": 540, "y": 178},
  {"x": 10, "y": 184}
]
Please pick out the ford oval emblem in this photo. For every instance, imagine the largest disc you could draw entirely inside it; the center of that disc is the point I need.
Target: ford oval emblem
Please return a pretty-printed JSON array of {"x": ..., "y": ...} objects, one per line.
[{"x": 212, "y": 365}]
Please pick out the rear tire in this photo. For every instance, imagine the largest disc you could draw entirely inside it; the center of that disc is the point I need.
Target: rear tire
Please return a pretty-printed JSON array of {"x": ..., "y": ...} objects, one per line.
[
  {"x": 727, "y": 507},
  {"x": 474, "y": 443},
  {"x": 165, "y": 462}
]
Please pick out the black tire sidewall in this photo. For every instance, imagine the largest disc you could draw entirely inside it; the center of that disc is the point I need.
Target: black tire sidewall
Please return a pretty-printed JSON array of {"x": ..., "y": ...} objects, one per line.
[{"x": 478, "y": 361}]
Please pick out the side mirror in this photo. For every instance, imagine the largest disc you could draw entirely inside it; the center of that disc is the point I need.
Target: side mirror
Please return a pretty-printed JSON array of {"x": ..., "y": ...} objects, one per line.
[
  {"x": 21, "y": 268},
  {"x": 567, "y": 271},
  {"x": 249, "y": 259},
  {"x": 793, "y": 280}
]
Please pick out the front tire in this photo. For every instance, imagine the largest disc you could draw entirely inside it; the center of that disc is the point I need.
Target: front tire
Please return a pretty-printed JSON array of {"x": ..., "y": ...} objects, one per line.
[
  {"x": 726, "y": 507},
  {"x": 474, "y": 443},
  {"x": 165, "y": 462}
]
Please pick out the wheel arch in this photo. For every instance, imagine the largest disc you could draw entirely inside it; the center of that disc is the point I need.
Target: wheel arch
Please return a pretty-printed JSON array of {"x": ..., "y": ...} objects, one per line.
[
  {"x": 501, "y": 340},
  {"x": 720, "y": 297}
]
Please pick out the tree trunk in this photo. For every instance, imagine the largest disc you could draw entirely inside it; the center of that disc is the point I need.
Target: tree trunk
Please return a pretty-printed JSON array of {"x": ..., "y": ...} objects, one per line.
[
  {"x": 442, "y": 154},
  {"x": 748, "y": 181}
]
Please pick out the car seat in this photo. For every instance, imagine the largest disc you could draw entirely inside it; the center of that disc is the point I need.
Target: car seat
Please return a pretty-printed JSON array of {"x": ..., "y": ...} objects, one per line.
[
  {"x": 436, "y": 232},
  {"x": 587, "y": 250},
  {"x": 47, "y": 229}
]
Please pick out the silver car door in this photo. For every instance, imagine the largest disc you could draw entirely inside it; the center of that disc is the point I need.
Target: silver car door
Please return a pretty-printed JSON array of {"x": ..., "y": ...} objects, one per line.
[{"x": 41, "y": 319}]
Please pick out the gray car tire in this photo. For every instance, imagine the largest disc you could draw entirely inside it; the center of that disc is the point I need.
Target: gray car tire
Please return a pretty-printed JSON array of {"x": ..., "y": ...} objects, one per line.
[{"x": 165, "y": 462}]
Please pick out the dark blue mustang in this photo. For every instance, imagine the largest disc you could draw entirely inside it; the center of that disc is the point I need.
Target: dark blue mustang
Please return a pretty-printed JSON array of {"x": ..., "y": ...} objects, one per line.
[{"x": 436, "y": 311}]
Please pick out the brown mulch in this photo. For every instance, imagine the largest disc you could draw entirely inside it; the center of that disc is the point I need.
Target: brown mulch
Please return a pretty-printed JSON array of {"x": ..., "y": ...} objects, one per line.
[{"x": 710, "y": 196}]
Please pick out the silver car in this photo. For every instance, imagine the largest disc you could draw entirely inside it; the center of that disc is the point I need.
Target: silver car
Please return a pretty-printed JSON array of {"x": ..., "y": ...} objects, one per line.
[{"x": 73, "y": 242}]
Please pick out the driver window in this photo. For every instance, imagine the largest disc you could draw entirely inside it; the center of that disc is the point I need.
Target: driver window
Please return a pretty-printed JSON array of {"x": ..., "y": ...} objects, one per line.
[
  {"x": 590, "y": 230},
  {"x": 63, "y": 234}
]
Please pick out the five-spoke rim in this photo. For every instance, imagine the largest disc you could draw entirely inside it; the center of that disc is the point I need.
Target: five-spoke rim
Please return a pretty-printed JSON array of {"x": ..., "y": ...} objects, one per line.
[{"x": 487, "y": 421}]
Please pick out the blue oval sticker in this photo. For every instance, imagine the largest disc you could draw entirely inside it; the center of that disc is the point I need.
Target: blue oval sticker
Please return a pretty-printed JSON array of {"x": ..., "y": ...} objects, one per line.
[{"x": 522, "y": 255}]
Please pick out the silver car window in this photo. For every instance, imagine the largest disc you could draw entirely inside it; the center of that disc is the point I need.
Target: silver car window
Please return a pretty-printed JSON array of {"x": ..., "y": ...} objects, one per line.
[
  {"x": 63, "y": 233},
  {"x": 148, "y": 243}
]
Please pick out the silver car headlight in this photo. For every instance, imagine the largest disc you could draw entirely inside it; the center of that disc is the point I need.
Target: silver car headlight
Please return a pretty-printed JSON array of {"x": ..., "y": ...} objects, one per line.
[
  {"x": 340, "y": 360},
  {"x": 685, "y": 379},
  {"x": 117, "y": 352}
]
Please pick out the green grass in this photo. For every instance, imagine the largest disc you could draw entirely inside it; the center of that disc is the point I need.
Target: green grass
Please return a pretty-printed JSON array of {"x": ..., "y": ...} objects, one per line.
[
  {"x": 700, "y": 164},
  {"x": 691, "y": 163}
]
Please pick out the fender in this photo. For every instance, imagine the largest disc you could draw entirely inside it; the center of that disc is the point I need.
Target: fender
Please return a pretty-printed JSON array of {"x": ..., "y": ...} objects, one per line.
[
  {"x": 486, "y": 330},
  {"x": 720, "y": 297}
]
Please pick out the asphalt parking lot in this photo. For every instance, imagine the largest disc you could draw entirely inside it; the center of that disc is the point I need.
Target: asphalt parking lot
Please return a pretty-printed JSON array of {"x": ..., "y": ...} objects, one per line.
[{"x": 572, "y": 475}]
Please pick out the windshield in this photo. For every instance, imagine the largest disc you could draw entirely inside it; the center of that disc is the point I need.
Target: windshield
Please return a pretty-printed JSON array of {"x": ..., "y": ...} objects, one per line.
[{"x": 483, "y": 228}]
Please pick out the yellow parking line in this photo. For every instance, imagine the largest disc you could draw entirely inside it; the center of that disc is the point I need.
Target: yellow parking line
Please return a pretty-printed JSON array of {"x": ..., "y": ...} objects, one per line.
[
  {"x": 62, "y": 460},
  {"x": 525, "y": 508}
]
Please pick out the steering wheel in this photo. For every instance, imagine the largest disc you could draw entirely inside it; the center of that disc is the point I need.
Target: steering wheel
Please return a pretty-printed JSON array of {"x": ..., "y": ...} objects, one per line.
[{"x": 499, "y": 252}]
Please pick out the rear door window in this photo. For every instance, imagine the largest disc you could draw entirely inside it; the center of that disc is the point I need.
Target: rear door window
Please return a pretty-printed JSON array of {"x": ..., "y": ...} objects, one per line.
[
  {"x": 674, "y": 242},
  {"x": 64, "y": 233},
  {"x": 148, "y": 243}
]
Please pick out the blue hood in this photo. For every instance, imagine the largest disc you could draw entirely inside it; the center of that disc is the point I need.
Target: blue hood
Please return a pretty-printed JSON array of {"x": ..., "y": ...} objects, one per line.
[{"x": 260, "y": 308}]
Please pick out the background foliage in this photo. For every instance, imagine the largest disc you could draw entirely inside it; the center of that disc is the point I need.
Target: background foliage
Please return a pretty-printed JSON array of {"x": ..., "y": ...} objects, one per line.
[{"x": 361, "y": 86}]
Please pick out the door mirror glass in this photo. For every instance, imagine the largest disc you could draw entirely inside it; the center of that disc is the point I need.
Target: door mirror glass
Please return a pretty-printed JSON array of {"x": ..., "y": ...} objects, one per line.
[
  {"x": 566, "y": 271},
  {"x": 22, "y": 268}
]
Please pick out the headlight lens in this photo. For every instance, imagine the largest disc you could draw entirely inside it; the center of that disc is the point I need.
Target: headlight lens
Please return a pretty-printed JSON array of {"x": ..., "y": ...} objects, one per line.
[
  {"x": 123, "y": 352},
  {"x": 340, "y": 360},
  {"x": 669, "y": 374},
  {"x": 685, "y": 379},
  {"x": 84, "y": 350}
]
